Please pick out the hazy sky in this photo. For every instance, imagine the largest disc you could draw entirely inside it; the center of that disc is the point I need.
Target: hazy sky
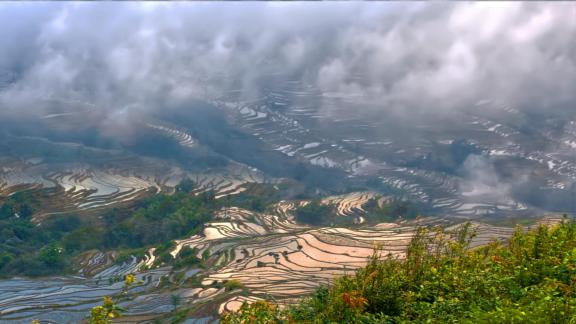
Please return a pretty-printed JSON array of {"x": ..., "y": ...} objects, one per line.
[{"x": 408, "y": 56}]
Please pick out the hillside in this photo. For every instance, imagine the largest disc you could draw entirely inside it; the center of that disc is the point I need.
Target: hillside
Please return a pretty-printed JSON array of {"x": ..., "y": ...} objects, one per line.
[
  {"x": 531, "y": 278},
  {"x": 196, "y": 255},
  {"x": 176, "y": 162}
]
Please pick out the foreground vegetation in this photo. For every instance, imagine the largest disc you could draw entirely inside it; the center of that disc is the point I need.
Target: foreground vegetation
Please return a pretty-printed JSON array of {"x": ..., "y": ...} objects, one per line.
[{"x": 529, "y": 279}]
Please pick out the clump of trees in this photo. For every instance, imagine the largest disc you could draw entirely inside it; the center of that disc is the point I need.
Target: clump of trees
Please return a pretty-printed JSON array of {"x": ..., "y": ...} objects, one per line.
[
  {"x": 317, "y": 214},
  {"x": 529, "y": 279},
  {"x": 393, "y": 210},
  {"x": 233, "y": 284},
  {"x": 31, "y": 249},
  {"x": 159, "y": 219},
  {"x": 28, "y": 249},
  {"x": 186, "y": 186},
  {"x": 187, "y": 258},
  {"x": 314, "y": 213},
  {"x": 20, "y": 204}
]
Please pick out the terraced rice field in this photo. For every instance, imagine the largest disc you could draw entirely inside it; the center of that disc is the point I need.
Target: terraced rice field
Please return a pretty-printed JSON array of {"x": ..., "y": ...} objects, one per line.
[
  {"x": 69, "y": 299},
  {"x": 351, "y": 204},
  {"x": 286, "y": 266},
  {"x": 83, "y": 188},
  {"x": 268, "y": 253},
  {"x": 284, "y": 131},
  {"x": 98, "y": 188},
  {"x": 180, "y": 136},
  {"x": 273, "y": 257},
  {"x": 287, "y": 118}
]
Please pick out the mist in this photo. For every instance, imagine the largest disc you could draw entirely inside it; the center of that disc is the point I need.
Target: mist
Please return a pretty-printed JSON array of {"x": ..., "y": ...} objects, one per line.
[
  {"x": 481, "y": 180},
  {"x": 134, "y": 58}
]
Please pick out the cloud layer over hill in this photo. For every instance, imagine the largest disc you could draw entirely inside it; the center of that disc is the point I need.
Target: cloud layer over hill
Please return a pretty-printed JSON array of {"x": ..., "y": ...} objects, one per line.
[{"x": 129, "y": 58}]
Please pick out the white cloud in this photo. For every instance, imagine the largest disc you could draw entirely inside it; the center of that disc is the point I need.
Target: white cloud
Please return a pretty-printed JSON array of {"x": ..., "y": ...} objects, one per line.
[{"x": 411, "y": 55}]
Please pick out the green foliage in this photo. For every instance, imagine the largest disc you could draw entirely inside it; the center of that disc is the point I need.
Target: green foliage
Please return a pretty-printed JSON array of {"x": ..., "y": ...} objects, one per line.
[
  {"x": 179, "y": 277},
  {"x": 391, "y": 211},
  {"x": 186, "y": 186},
  {"x": 127, "y": 254},
  {"x": 5, "y": 258},
  {"x": 233, "y": 284},
  {"x": 163, "y": 218},
  {"x": 176, "y": 300},
  {"x": 28, "y": 249},
  {"x": 530, "y": 279},
  {"x": 257, "y": 196},
  {"x": 187, "y": 258},
  {"x": 163, "y": 253},
  {"x": 318, "y": 214},
  {"x": 52, "y": 255},
  {"x": 63, "y": 223},
  {"x": 19, "y": 205},
  {"x": 83, "y": 239},
  {"x": 314, "y": 213},
  {"x": 31, "y": 249},
  {"x": 106, "y": 313},
  {"x": 205, "y": 255},
  {"x": 109, "y": 310},
  {"x": 258, "y": 312},
  {"x": 250, "y": 202}
]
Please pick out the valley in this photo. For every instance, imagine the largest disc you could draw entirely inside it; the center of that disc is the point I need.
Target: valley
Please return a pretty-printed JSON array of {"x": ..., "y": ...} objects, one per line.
[
  {"x": 258, "y": 163},
  {"x": 266, "y": 254}
]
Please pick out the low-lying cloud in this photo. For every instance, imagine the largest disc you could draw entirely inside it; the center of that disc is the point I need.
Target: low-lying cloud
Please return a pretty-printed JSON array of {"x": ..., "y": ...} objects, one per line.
[
  {"x": 135, "y": 57},
  {"x": 481, "y": 180}
]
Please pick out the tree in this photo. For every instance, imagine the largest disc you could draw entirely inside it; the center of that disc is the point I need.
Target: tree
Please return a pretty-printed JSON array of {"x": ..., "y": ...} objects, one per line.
[
  {"x": 205, "y": 255},
  {"x": 313, "y": 213},
  {"x": 52, "y": 256},
  {"x": 175, "y": 299},
  {"x": 5, "y": 259},
  {"x": 186, "y": 186}
]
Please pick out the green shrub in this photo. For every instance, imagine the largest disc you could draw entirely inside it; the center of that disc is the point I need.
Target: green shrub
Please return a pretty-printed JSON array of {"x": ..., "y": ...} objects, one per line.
[
  {"x": 187, "y": 258},
  {"x": 258, "y": 312},
  {"x": 233, "y": 284},
  {"x": 313, "y": 213}
]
